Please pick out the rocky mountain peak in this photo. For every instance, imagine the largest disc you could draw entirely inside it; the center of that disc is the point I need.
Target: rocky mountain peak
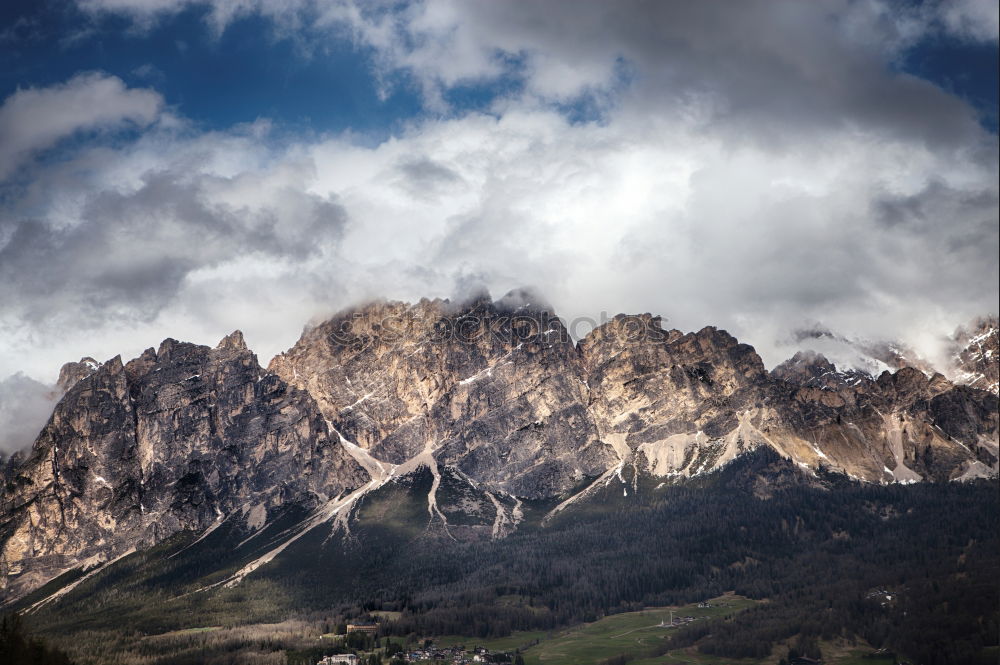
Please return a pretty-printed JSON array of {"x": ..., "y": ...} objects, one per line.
[
  {"x": 233, "y": 341},
  {"x": 73, "y": 372},
  {"x": 856, "y": 357},
  {"x": 907, "y": 381},
  {"x": 813, "y": 370},
  {"x": 976, "y": 354},
  {"x": 177, "y": 439},
  {"x": 494, "y": 388}
]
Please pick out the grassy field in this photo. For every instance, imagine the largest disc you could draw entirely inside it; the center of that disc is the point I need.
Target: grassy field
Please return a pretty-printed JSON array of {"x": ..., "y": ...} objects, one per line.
[
  {"x": 635, "y": 633},
  {"x": 842, "y": 654},
  {"x": 516, "y": 640},
  {"x": 631, "y": 632},
  {"x": 386, "y": 615},
  {"x": 691, "y": 657},
  {"x": 188, "y": 631},
  {"x": 834, "y": 653}
]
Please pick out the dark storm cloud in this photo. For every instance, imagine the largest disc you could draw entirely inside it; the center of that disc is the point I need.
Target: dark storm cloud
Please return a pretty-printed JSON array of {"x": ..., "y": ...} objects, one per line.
[
  {"x": 763, "y": 68},
  {"x": 128, "y": 253},
  {"x": 426, "y": 178},
  {"x": 783, "y": 65}
]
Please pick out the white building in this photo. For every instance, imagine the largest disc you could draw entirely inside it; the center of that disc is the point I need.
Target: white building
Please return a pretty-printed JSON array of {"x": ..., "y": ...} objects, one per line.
[{"x": 339, "y": 659}]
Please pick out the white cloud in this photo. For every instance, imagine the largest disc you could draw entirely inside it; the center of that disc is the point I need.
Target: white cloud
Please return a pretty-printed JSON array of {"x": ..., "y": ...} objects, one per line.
[
  {"x": 25, "y": 406},
  {"x": 975, "y": 20},
  {"x": 871, "y": 236},
  {"x": 756, "y": 169},
  {"x": 734, "y": 54},
  {"x": 34, "y": 119}
]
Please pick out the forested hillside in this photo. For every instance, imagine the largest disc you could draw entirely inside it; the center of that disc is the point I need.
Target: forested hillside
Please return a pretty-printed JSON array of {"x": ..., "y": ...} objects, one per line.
[{"x": 909, "y": 568}]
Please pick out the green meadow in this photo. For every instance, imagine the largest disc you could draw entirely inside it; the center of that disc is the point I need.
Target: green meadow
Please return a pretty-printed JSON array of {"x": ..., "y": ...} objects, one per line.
[{"x": 634, "y": 633}]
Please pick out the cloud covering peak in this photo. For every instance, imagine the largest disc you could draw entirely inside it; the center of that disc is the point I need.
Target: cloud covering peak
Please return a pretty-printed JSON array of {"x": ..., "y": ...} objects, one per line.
[{"x": 755, "y": 166}]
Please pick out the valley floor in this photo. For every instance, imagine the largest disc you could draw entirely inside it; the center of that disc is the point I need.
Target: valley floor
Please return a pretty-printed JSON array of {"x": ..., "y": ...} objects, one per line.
[{"x": 637, "y": 638}]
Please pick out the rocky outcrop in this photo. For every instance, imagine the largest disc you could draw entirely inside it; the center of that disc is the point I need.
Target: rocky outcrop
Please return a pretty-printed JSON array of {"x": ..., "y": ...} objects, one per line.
[
  {"x": 889, "y": 430},
  {"x": 494, "y": 388},
  {"x": 976, "y": 355},
  {"x": 73, "y": 372},
  {"x": 500, "y": 391},
  {"x": 176, "y": 439},
  {"x": 682, "y": 405}
]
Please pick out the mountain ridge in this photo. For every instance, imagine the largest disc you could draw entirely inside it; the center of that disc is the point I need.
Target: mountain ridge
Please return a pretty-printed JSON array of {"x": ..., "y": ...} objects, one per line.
[{"x": 492, "y": 398}]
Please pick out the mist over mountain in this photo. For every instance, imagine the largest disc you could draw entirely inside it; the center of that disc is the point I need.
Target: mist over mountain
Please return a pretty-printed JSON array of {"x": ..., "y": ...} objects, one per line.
[
  {"x": 25, "y": 405},
  {"x": 694, "y": 162}
]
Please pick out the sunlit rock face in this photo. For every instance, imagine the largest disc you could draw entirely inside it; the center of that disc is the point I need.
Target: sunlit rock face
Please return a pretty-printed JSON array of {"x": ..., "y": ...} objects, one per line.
[
  {"x": 479, "y": 404},
  {"x": 73, "y": 372},
  {"x": 174, "y": 440},
  {"x": 681, "y": 404},
  {"x": 496, "y": 388},
  {"x": 499, "y": 390},
  {"x": 903, "y": 427},
  {"x": 685, "y": 404}
]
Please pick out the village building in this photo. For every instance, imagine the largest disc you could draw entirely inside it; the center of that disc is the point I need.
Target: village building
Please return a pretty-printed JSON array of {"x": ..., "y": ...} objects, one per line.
[
  {"x": 339, "y": 659},
  {"x": 369, "y": 628}
]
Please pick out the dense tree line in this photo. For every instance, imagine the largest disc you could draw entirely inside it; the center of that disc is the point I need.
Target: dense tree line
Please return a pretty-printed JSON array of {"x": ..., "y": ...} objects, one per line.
[{"x": 18, "y": 648}]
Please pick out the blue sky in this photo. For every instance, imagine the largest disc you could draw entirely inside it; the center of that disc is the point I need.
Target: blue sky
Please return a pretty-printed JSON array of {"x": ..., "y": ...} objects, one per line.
[
  {"x": 184, "y": 168},
  {"x": 966, "y": 69},
  {"x": 319, "y": 83},
  {"x": 217, "y": 80}
]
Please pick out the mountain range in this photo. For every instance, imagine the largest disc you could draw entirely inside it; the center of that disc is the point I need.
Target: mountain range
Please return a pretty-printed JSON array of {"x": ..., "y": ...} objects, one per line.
[{"x": 487, "y": 405}]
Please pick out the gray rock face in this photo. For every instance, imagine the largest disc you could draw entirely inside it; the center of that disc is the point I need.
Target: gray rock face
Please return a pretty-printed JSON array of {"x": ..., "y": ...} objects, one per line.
[
  {"x": 976, "y": 355},
  {"x": 72, "y": 373},
  {"x": 513, "y": 403},
  {"x": 173, "y": 440},
  {"x": 496, "y": 389}
]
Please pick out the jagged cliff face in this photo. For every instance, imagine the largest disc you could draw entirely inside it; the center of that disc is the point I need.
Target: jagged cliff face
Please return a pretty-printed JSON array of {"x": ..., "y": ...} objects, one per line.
[
  {"x": 678, "y": 404},
  {"x": 496, "y": 389},
  {"x": 175, "y": 439},
  {"x": 475, "y": 404},
  {"x": 902, "y": 427},
  {"x": 72, "y": 373},
  {"x": 685, "y": 404},
  {"x": 977, "y": 355},
  {"x": 513, "y": 402}
]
